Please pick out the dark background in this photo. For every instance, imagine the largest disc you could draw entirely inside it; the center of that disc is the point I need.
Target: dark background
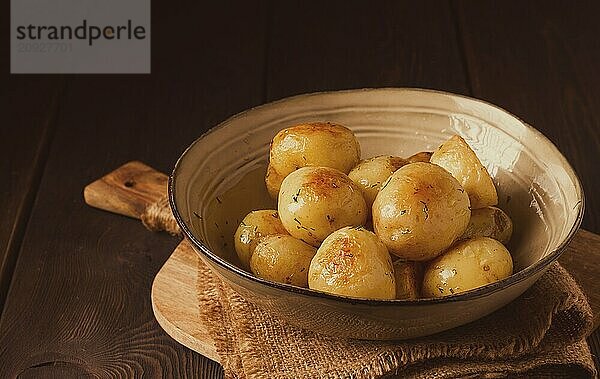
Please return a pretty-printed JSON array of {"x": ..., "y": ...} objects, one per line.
[{"x": 75, "y": 282}]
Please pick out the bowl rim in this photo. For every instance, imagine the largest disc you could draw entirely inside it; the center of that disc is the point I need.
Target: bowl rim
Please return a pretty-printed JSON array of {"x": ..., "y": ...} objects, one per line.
[{"x": 475, "y": 293}]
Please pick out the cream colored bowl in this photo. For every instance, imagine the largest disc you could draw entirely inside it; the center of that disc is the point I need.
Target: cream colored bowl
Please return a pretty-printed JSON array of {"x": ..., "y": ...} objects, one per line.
[{"x": 219, "y": 179}]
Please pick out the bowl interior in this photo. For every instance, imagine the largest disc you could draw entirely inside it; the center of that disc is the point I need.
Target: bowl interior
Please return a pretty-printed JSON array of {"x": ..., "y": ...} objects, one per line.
[{"x": 220, "y": 178}]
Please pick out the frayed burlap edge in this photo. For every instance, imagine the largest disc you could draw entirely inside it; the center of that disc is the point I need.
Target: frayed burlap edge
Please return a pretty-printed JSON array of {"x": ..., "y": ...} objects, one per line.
[{"x": 236, "y": 342}]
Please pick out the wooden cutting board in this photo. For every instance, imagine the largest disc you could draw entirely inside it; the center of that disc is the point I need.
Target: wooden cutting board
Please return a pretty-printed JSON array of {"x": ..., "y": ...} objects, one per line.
[
  {"x": 133, "y": 186},
  {"x": 175, "y": 301}
]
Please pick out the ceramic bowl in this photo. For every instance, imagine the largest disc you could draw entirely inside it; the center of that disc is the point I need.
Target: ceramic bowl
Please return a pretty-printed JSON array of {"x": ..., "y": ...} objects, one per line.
[{"x": 219, "y": 179}]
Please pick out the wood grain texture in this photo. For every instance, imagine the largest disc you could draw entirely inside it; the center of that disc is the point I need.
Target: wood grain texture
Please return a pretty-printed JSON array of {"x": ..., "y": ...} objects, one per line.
[
  {"x": 355, "y": 44},
  {"x": 594, "y": 344},
  {"x": 80, "y": 301},
  {"x": 175, "y": 301},
  {"x": 30, "y": 106},
  {"x": 128, "y": 190},
  {"x": 576, "y": 259},
  {"x": 175, "y": 298}
]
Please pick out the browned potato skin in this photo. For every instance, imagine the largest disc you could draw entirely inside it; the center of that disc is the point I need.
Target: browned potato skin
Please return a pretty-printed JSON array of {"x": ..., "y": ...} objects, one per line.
[
  {"x": 467, "y": 265},
  {"x": 420, "y": 211},
  {"x": 422, "y": 156},
  {"x": 273, "y": 180},
  {"x": 316, "y": 144},
  {"x": 256, "y": 225},
  {"x": 489, "y": 222},
  {"x": 282, "y": 258},
  {"x": 457, "y": 157},
  {"x": 353, "y": 262},
  {"x": 409, "y": 276},
  {"x": 370, "y": 174},
  {"x": 316, "y": 201}
]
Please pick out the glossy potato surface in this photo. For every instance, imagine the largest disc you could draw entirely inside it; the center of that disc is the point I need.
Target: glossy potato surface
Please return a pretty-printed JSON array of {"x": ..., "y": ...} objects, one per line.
[
  {"x": 467, "y": 265},
  {"x": 457, "y": 157},
  {"x": 282, "y": 258},
  {"x": 408, "y": 276},
  {"x": 273, "y": 181},
  {"x": 370, "y": 174},
  {"x": 353, "y": 262},
  {"x": 316, "y": 201},
  {"x": 422, "y": 156},
  {"x": 253, "y": 227},
  {"x": 489, "y": 222},
  {"x": 317, "y": 144},
  {"x": 420, "y": 211}
]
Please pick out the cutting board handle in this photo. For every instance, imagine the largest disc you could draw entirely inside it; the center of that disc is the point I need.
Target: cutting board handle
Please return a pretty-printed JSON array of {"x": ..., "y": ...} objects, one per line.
[{"x": 129, "y": 190}]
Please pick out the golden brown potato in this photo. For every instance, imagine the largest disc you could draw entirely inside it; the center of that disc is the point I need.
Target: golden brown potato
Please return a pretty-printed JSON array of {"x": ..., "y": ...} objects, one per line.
[
  {"x": 316, "y": 201},
  {"x": 353, "y": 262},
  {"x": 420, "y": 211},
  {"x": 253, "y": 227},
  {"x": 469, "y": 264},
  {"x": 422, "y": 156},
  {"x": 317, "y": 144},
  {"x": 370, "y": 174},
  {"x": 409, "y": 276},
  {"x": 489, "y": 222},
  {"x": 282, "y": 258},
  {"x": 457, "y": 157},
  {"x": 273, "y": 180}
]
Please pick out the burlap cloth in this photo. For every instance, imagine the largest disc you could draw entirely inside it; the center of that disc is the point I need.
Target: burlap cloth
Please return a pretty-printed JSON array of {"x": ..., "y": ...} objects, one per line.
[{"x": 541, "y": 334}]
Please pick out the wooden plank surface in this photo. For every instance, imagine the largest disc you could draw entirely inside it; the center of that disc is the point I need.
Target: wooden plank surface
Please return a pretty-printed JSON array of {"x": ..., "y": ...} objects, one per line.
[
  {"x": 80, "y": 301},
  {"x": 31, "y": 106},
  {"x": 354, "y": 44},
  {"x": 576, "y": 259}
]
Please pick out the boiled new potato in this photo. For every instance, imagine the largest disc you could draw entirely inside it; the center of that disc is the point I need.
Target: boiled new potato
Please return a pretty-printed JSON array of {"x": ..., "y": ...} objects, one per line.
[
  {"x": 469, "y": 264},
  {"x": 317, "y": 144},
  {"x": 273, "y": 181},
  {"x": 316, "y": 201},
  {"x": 370, "y": 174},
  {"x": 422, "y": 156},
  {"x": 457, "y": 157},
  {"x": 353, "y": 262},
  {"x": 408, "y": 276},
  {"x": 420, "y": 211},
  {"x": 282, "y": 258},
  {"x": 253, "y": 227},
  {"x": 489, "y": 222}
]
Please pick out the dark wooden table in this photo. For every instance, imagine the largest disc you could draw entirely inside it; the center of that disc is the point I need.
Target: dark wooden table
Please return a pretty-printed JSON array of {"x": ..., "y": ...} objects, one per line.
[{"x": 75, "y": 281}]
